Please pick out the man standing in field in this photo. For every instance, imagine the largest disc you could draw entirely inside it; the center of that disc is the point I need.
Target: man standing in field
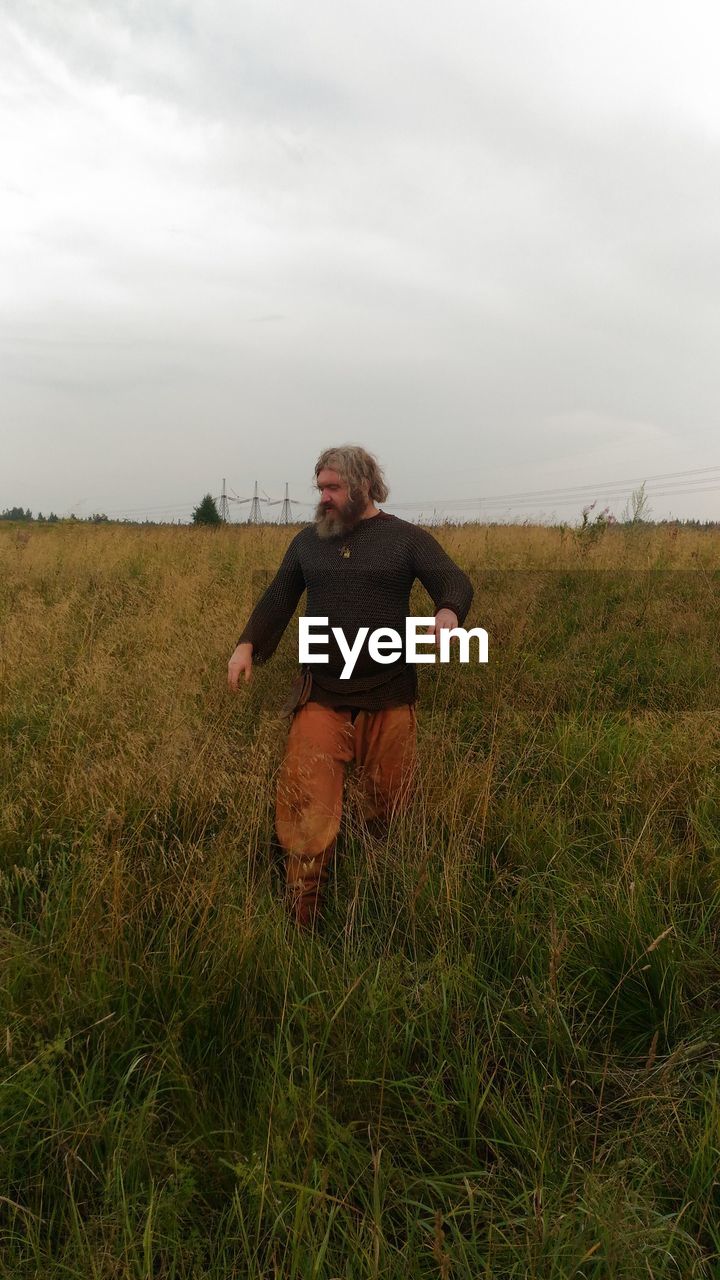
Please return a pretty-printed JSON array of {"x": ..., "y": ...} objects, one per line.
[{"x": 358, "y": 565}]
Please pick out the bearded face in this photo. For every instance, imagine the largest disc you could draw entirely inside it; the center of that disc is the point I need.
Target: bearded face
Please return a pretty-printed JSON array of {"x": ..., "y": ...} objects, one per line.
[{"x": 337, "y": 516}]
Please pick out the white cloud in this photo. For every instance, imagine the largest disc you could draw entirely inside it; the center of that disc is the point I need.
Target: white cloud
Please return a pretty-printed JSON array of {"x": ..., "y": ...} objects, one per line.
[{"x": 491, "y": 225}]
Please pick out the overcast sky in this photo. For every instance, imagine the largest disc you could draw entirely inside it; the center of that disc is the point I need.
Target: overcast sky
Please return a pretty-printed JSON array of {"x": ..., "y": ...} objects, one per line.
[{"x": 481, "y": 239}]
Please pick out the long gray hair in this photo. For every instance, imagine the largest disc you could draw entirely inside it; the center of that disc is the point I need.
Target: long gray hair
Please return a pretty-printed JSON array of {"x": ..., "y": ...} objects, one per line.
[{"x": 358, "y": 468}]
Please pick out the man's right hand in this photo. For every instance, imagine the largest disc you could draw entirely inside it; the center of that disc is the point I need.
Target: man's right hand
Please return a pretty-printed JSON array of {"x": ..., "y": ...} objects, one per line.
[{"x": 241, "y": 661}]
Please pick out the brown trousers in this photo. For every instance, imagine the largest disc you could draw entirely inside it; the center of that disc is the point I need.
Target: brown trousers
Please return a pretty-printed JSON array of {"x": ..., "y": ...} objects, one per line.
[{"x": 321, "y": 742}]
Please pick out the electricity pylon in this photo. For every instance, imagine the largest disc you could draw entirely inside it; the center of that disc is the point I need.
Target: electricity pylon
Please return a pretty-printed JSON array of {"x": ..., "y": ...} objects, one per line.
[
  {"x": 286, "y": 516},
  {"x": 286, "y": 510},
  {"x": 255, "y": 516}
]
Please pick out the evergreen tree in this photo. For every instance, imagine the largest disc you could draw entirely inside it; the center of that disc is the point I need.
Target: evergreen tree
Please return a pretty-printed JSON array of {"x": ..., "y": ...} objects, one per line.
[
  {"x": 16, "y": 513},
  {"x": 206, "y": 512}
]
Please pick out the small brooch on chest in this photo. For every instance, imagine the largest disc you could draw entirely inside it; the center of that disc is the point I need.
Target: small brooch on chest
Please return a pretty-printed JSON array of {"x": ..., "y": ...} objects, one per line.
[{"x": 345, "y": 552}]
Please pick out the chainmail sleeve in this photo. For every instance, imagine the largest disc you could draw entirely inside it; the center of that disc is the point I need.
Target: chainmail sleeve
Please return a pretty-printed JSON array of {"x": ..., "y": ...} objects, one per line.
[
  {"x": 448, "y": 586},
  {"x": 275, "y": 608}
]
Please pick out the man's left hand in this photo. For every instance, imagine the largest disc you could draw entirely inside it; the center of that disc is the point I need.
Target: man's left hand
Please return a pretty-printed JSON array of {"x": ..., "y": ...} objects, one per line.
[{"x": 445, "y": 619}]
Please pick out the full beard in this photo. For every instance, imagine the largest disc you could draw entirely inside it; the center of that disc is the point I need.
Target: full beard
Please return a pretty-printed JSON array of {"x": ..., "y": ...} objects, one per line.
[{"x": 336, "y": 522}]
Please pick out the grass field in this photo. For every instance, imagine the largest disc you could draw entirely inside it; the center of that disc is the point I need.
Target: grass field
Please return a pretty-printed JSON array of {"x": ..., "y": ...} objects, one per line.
[{"x": 500, "y": 1057}]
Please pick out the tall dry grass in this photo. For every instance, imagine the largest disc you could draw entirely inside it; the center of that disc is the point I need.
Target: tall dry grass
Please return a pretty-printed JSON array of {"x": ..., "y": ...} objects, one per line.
[{"x": 500, "y": 1057}]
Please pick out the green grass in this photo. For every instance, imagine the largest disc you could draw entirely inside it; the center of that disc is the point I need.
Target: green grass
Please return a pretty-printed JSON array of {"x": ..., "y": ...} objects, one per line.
[{"x": 498, "y": 1058}]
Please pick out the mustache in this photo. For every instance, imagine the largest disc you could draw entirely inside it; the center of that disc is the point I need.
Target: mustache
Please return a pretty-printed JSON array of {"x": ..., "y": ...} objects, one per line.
[
  {"x": 323, "y": 509},
  {"x": 332, "y": 520}
]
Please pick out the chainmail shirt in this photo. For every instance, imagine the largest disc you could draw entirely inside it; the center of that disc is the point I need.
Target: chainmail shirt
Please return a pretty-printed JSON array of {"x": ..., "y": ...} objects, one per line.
[{"x": 361, "y": 579}]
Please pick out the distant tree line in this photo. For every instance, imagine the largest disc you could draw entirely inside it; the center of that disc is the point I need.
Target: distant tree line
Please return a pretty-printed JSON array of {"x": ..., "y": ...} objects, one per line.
[{"x": 17, "y": 513}]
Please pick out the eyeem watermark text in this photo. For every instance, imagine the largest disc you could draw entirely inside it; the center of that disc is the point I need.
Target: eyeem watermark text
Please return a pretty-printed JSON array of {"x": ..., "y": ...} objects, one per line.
[{"x": 385, "y": 644}]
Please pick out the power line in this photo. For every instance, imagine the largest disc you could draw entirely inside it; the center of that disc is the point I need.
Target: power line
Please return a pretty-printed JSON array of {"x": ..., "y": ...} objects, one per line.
[
  {"x": 605, "y": 484},
  {"x": 547, "y": 494},
  {"x": 695, "y": 480},
  {"x": 485, "y": 504},
  {"x": 171, "y": 506},
  {"x": 653, "y": 493},
  {"x": 530, "y": 505}
]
